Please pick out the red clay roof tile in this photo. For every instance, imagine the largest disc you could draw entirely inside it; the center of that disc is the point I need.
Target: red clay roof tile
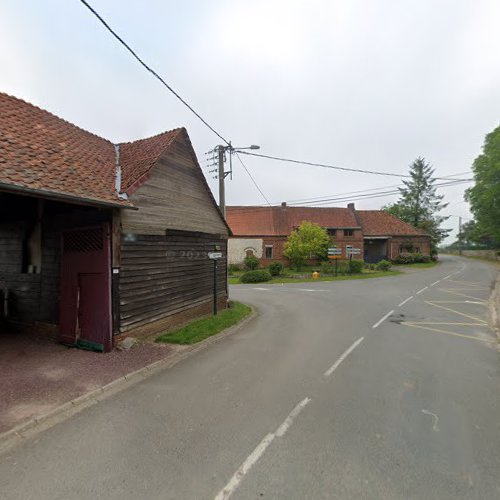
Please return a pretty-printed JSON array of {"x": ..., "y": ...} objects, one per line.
[
  {"x": 382, "y": 223},
  {"x": 43, "y": 153},
  {"x": 280, "y": 221}
]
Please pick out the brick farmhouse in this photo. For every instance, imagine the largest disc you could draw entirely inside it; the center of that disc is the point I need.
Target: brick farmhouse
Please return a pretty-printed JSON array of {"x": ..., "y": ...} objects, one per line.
[
  {"x": 101, "y": 240},
  {"x": 262, "y": 231}
]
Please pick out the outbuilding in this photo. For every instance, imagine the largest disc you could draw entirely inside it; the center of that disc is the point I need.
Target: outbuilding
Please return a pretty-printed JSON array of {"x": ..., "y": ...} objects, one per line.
[{"x": 101, "y": 240}]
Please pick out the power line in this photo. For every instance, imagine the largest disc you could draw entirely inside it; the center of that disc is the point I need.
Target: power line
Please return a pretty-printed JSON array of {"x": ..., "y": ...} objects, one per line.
[
  {"x": 367, "y": 196},
  {"x": 253, "y": 180},
  {"x": 320, "y": 198},
  {"x": 151, "y": 70},
  {"x": 323, "y": 165}
]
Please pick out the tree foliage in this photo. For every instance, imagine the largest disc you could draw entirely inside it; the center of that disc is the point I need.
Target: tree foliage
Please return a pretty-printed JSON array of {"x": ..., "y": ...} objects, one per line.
[
  {"x": 310, "y": 240},
  {"x": 484, "y": 196},
  {"x": 419, "y": 204}
]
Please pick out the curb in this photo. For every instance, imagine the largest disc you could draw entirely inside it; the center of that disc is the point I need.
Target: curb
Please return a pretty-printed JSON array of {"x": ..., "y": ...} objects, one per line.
[
  {"x": 494, "y": 307},
  {"x": 40, "y": 423}
]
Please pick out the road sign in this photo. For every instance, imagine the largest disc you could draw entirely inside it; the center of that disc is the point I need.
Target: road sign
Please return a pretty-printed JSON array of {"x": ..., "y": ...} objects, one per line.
[
  {"x": 215, "y": 255},
  {"x": 353, "y": 251},
  {"x": 334, "y": 251}
]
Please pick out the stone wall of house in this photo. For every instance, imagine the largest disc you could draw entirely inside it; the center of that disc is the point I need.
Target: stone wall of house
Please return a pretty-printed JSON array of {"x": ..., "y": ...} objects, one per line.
[{"x": 237, "y": 249}]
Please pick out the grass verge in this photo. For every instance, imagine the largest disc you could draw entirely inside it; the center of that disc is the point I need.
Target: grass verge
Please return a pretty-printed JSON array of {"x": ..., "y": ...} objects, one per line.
[
  {"x": 284, "y": 279},
  {"x": 206, "y": 327}
]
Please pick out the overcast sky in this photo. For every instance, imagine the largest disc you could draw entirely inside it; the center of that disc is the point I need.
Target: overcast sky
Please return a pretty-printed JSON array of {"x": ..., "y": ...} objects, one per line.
[{"x": 366, "y": 84}]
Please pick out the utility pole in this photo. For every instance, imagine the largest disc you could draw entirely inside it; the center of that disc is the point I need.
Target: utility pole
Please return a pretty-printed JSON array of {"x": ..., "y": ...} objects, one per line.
[
  {"x": 221, "y": 150},
  {"x": 222, "y": 176},
  {"x": 460, "y": 236}
]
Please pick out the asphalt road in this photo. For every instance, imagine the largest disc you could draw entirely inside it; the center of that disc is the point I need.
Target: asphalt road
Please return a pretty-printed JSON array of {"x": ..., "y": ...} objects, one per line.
[{"x": 336, "y": 390}]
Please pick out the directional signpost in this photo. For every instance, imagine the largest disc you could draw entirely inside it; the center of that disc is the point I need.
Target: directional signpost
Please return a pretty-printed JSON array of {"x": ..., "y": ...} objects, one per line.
[
  {"x": 215, "y": 256},
  {"x": 335, "y": 253}
]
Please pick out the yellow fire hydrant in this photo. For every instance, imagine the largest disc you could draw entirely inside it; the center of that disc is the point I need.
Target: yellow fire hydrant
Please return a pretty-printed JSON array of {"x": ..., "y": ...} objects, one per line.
[{"x": 315, "y": 275}]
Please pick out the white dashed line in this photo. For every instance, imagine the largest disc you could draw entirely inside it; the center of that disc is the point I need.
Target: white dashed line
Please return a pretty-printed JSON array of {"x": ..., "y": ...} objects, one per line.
[
  {"x": 253, "y": 458},
  {"x": 447, "y": 277},
  {"x": 405, "y": 301},
  {"x": 262, "y": 289},
  {"x": 422, "y": 290},
  {"x": 342, "y": 357},
  {"x": 380, "y": 321},
  {"x": 435, "y": 283}
]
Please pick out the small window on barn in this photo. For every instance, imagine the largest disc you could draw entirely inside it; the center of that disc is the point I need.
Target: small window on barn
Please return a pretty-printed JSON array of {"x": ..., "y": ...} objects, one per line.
[
  {"x": 269, "y": 251},
  {"x": 348, "y": 232},
  {"x": 331, "y": 231}
]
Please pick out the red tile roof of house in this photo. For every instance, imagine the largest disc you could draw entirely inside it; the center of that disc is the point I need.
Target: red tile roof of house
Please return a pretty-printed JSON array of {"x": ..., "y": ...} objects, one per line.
[
  {"x": 281, "y": 221},
  {"x": 44, "y": 154},
  {"x": 382, "y": 223}
]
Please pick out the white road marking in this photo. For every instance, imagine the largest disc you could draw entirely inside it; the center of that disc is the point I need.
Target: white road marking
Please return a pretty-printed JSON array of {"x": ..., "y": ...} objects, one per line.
[
  {"x": 435, "y": 419},
  {"x": 262, "y": 289},
  {"x": 380, "y": 321},
  {"x": 475, "y": 302},
  {"x": 253, "y": 458},
  {"x": 342, "y": 357},
  {"x": 405, "y": 301},
  {"x": 281, "y": 431},
  {"x": 311, "y": 290},
  {"x": 447, "y": 277},
  {"x": 435, "y": 283},
  {"x": 423, "y": 290}
]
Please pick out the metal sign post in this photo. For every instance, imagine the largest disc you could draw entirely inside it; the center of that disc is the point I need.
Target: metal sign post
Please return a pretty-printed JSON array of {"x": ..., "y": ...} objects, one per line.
[
  {"x": 335, "y": 253},
  {"x": 215, "y": 256}
]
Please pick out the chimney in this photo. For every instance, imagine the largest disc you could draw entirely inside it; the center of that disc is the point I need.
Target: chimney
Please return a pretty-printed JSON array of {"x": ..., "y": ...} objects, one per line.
[
  {"x": 351, "y": 206},
  {"x": 283, "y": 204}
]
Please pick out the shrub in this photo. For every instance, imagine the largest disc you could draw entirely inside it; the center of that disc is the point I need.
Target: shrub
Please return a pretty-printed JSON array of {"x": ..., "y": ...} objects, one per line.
[
  {"x": 233, "y": 268},
  {"x": 343, "y": 268},
  {"x": 258, "y": 276},
  {"x": 251, "y": 262},
  {"x": 383, "y": 265},
  {"x": 326, "y": 268},
  {"x": 356, "y": 265},
  {"x": 275, "y": 268}
]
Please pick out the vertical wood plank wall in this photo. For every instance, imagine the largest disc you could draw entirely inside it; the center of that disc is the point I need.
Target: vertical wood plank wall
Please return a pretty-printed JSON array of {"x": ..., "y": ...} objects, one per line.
[
  {"x": 164, "y": 275},
  {"x": 174, "y": 196}
]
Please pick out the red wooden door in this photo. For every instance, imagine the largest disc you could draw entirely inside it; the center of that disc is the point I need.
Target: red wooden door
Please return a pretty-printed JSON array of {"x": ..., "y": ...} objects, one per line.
[
  {"x": 85, "y": 316},
  {"x": 92, "y": 311}
]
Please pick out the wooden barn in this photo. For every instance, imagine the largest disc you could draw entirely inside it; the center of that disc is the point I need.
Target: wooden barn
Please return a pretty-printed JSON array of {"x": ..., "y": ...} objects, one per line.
[{"x": 101, "y": 240}]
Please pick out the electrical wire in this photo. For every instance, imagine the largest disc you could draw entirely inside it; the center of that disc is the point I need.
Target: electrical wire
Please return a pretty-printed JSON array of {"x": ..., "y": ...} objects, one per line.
[
  {"x": 367, "y": 196},
  {"x": 320, "y": 198},
  {"x": 253, "y": 180},
  {"x": 323, "y": 165},
  {"x": 151, "y": 70}
]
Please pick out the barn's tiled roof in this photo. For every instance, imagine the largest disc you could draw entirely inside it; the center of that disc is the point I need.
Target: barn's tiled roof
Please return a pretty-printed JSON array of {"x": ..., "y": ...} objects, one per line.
[
  {"x": 137, "y": 158},
  {"x": 382, "y": 223},
  {"x": 281, "y": 221},
  {"x": 44, "y": 154}
]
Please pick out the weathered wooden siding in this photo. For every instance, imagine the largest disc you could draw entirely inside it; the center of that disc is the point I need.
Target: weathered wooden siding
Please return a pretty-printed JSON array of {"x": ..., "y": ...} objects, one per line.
[
  {"x": 32, "y": 297},
  {"x": 174, "y": 196},
  {"x": 164, "y": 275}
]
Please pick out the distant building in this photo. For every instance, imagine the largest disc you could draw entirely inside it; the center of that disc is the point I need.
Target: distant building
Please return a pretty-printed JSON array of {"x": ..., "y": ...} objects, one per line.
[
  {"x": 262, "y": 231},
  {"x": 99, "y": 239}
]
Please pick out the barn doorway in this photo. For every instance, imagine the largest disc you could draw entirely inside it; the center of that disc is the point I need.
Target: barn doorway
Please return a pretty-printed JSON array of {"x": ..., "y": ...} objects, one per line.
[{"x": 86, "y": 288}]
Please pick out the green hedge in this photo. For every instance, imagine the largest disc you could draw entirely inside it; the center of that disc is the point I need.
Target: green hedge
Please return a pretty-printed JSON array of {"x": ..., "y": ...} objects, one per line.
[{"x": 258, "y": 276}]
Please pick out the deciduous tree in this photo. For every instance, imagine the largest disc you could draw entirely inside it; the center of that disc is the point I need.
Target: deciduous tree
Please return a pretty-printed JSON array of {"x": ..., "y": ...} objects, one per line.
[{"x": 308, "y": 241}]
